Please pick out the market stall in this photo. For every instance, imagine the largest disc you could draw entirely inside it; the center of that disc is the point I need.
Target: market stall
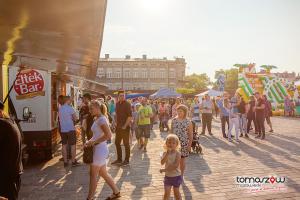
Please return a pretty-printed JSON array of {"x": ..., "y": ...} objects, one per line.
[{"x": 165, "y": 93}]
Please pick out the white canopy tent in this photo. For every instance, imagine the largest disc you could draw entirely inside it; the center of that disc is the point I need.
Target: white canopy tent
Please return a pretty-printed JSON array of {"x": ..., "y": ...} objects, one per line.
[{"x": 211, "y": 93}]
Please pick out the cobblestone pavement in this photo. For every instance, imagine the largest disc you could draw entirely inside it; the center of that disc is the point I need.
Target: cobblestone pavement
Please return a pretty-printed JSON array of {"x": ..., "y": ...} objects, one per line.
[{"x": 211, "y": 176}]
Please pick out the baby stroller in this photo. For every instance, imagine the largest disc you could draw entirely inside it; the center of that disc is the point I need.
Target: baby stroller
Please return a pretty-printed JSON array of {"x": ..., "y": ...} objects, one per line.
[{"x": 196, "y": 147}]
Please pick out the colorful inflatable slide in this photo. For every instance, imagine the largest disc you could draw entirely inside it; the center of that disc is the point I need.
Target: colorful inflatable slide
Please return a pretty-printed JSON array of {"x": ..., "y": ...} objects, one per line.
[{"x": 265, "y": 83}]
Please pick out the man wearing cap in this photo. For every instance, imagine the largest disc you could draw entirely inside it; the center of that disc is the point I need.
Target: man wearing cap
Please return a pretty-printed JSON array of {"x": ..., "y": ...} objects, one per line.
[{"x": 123, "y": 119}]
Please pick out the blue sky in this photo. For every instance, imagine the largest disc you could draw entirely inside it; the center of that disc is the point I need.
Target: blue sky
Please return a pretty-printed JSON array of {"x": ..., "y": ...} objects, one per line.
[{"x": 209, "y": 34}]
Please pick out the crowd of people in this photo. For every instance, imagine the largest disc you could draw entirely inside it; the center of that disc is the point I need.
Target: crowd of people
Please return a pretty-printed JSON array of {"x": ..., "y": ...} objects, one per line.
[
  {"x": 242, "y": 116},
  {"x": 179, "y": 118}
]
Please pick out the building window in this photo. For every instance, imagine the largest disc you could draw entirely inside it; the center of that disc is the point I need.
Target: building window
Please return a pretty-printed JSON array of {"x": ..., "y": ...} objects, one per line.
[
  {"x": 157, "y": 74},
  {"x": 109, "y": 73},
  {"x": 100, "y": 72},
  {"x": 117, "y": 73},
  {"x": 144, "y": 73},
  {"x": 172, "y": 73},
  {"x": 152, "y": 73},
  {"x": 127, "y": 73},
  {"x": 182, "y": 75},
  {"x": 162, "y": 74},
  {"x": 136, "y": 73}
]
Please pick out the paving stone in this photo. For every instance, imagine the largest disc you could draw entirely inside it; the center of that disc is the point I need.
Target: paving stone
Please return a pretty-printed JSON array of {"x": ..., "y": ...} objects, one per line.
[{"x": 208, "y": 176}]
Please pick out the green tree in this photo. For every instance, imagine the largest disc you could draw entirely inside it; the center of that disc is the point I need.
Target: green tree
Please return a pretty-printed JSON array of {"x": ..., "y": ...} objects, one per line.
[
  {"x": 199, "y": 82},
  {"x": 231, "y": 76},
  {"x": 185, "y": 90}
]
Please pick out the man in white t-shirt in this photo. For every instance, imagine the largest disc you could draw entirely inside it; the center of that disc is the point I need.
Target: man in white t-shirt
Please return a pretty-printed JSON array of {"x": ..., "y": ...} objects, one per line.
[
  {"x": 206, "y": 107},
  {"x": 67, "y": 119}
]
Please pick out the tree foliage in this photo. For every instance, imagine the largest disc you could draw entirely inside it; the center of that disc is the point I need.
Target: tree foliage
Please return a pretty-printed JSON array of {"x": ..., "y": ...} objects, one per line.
[
  {"x": 185, "y": 90},
  {"x": 199, "y": 82}
]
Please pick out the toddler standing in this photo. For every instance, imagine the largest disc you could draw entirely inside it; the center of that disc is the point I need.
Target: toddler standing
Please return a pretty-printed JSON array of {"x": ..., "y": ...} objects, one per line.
[{"x": 171, "y": 160}]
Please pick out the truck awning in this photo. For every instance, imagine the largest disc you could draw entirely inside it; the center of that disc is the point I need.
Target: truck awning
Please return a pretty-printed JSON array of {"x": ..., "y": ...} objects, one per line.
[
  {"x": 68, "y": 33},
  {"x": 85, "y": 84}
]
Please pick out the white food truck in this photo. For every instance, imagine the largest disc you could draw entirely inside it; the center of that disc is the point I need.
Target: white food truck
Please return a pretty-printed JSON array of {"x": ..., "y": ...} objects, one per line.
[
  {"x": 57, "y": 45},
  {"x": 36, "y": 91}
]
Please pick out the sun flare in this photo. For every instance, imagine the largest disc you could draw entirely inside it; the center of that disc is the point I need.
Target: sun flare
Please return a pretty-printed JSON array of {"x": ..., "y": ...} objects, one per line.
[{"x": 153, "y": 6}]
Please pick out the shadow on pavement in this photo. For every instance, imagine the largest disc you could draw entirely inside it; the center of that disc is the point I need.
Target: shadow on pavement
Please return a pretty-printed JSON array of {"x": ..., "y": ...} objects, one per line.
[
  {"x": 54, "y": 178},
  {"x": 195, "y": 177},
  {"x": 262, "y": 156},
  {"x": 217, "y": 144},
  {"x": 289, "y": 138},
  {"x": 272, "y": 150},
  {"x": 292, "y": 147},
  {"x": 137, "y": 173},
  {"x": 293, "y": 184}
]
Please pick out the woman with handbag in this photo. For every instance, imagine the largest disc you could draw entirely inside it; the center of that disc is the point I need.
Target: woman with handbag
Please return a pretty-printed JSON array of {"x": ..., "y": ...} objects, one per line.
[{"x": 101, "y": 133}]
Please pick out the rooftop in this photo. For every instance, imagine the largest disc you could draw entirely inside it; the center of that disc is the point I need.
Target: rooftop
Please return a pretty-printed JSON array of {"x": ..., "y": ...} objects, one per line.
[{"x": 144, "y": 58}]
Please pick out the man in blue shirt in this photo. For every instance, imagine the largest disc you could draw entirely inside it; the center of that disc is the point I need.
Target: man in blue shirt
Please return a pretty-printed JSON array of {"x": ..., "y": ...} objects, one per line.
[
  {"x": 224, "y": 114},
  {"x": 67, "y": 119}
]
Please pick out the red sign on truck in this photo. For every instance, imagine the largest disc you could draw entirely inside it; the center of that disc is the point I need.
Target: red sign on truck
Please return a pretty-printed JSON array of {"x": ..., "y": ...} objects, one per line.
[{"x": 29, "y": 84}]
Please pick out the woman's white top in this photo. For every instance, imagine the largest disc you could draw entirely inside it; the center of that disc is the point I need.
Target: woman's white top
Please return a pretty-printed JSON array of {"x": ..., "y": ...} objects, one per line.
[{"x": 100, "y": 150}]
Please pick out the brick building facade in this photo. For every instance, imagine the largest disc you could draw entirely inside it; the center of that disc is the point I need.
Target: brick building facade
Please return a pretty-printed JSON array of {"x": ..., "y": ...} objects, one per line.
[{"x": 140, "y": 74}]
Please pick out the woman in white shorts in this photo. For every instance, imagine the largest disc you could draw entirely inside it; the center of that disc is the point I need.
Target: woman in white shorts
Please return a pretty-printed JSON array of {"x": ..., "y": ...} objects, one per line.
[{"x": 101, "y": 133}]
